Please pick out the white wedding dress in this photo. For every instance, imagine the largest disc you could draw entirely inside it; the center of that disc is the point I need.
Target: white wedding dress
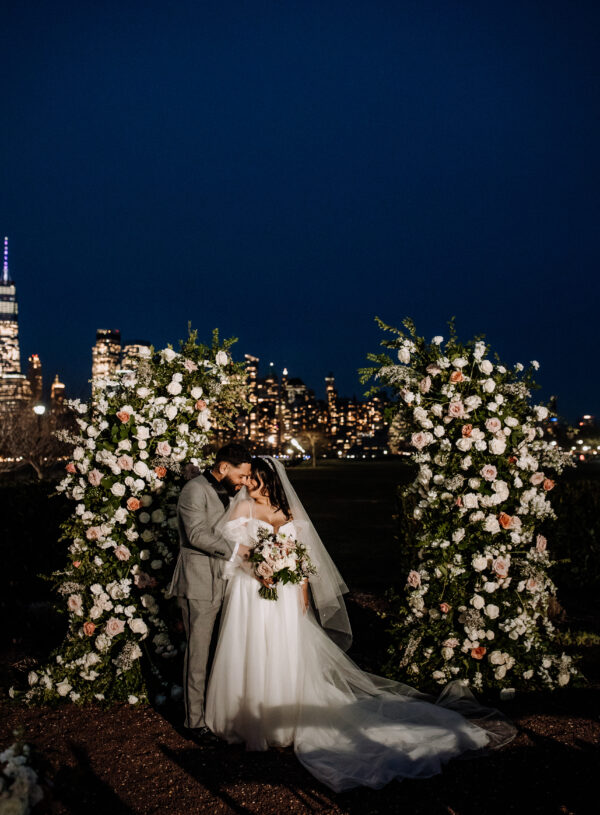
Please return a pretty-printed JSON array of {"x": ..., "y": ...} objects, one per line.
[{"x": 278, "y": 679}]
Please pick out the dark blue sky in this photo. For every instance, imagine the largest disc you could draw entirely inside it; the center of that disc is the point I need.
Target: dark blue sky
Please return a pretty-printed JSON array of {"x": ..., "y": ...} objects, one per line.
[{"x": 287, "y": 170}]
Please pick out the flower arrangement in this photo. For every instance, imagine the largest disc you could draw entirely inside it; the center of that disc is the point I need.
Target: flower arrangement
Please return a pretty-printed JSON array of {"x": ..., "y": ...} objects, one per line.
[
  {"x": 277, "y": 557},
  {"x": 143, "y": 433},
  {"x": 475, "y": 602}
]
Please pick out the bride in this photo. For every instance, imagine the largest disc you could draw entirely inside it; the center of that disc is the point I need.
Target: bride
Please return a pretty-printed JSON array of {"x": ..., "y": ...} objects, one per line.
[{"x": 279, "y": 678}]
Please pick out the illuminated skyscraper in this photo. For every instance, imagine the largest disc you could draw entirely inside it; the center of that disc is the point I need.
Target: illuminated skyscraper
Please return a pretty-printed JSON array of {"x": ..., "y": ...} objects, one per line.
[
  {"x": 106, "y": 354},
  {"x": 34, "y": 375},
  {"x": 57, "y": 393},
  {"x": 14, "y": 386},
  {"x": 132, "y": 353}
]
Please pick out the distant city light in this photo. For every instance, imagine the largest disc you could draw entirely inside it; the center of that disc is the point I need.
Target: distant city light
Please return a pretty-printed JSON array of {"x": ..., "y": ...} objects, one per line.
[{"x": 39, "y": 410}]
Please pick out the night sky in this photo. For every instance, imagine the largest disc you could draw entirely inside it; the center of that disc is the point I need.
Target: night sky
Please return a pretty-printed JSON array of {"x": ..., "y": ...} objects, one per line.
[{"x": 288, "y": 170}]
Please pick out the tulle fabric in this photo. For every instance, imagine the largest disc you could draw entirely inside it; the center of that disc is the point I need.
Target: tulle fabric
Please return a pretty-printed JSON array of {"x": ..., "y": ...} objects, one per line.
[{"x": 278, "y": 679}]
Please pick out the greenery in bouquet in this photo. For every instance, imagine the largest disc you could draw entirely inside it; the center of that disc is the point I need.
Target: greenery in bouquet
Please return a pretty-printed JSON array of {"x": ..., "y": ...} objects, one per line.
[
  {"x": 143, "y": 433},
  {"x": 475, "y": 597}
]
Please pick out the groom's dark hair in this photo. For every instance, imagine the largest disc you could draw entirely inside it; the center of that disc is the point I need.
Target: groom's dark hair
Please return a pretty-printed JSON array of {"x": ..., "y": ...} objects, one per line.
[{"x": 234, "y": 454}]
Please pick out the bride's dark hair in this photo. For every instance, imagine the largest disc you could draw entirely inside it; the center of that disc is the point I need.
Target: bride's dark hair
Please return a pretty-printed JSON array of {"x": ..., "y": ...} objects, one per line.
[{"x": 272, "y": 486}]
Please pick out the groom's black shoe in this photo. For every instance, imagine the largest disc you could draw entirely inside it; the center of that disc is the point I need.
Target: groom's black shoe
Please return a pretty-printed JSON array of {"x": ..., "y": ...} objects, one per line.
[{"x": 203, "y": 736}]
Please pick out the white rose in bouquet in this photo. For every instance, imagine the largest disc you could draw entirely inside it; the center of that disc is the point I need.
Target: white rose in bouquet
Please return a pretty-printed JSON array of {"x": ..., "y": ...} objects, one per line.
[
  {"x": 486, "y": 367},
  {"x": 404, "y": 355},
  {"x": 118, "y": 489},
  {"x": 221, "y": 358},
  {"x": 489, "y": 386}
]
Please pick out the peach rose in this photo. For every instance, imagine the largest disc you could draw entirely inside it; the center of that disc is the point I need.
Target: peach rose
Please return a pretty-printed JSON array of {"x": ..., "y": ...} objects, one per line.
[
  {"x": 264, "y": 570},
  {"x": 532, "y": 584},
  {"x": 504, "y": 520},
  {"x": 77, "y": 563},
  {"x": 456, "y": 376},
  {"x": 200, "y": 404},
  {"x": 160, "y": 471},
  {"x": 122, "y": 552},
  {"x": 123, "y": 416},
  {"x": 444, "y": 608},
  {"x": 133, "y": 504},
  {"x": 70, "y": 468},
  {"x": 89, "y": 628},
  {"x": 458, "y": 501},
  {"x": 548, "y": 484},
  {"x": 512, "y": 459},
  {"x": 478, "y": 653},
  {"x": 467, "y": 429}
]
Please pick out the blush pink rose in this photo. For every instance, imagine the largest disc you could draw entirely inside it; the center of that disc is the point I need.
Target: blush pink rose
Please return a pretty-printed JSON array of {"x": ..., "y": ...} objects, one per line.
[
  {"x": 114, "y": 627},
  {"x": 163, "y": 448},
  {"x": 93, "y": 533},
  {"x": 413, "y": 579},
  {"x": 489, "y": 472},
  {"x": 456, "y": 410},
  {"x": 494, "y": 425},
  {"x": 264, "y": 570},
  {"x": 537, "y": 479},
  {"x": 200, "y": 404},
  {"x": 425, "y": 384},
  {"x": 189, "y": 365},
  {"x": 467, "y": 429},
  {"x": 532, "y": 584},
  {"x": 95, "y": 477},
  {"x": 500, "y": 566},
  {"x": 74, "y": 603},
  {"x": 123, "y": 416},
  {"x": 125, "y": 462},
  {"x": 122, "y": 552},
  {"x": 144, "y": 581},
  {"x": 541, "y": 543},
  {"x": 77, "y": 563},
  {"x": 444, "y": 608}
]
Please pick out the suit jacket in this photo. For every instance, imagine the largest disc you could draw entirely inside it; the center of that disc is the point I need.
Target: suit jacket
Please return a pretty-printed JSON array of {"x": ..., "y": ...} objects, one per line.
[{"x": 202, "y": 552}]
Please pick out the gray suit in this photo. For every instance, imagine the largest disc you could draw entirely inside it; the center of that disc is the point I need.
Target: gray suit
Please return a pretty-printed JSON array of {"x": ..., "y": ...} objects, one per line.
[{"x": 198, "y": 584}]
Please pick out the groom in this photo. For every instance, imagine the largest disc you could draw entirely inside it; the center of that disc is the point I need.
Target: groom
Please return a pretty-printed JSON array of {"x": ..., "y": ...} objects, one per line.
[{"x": 197, "y": 580}]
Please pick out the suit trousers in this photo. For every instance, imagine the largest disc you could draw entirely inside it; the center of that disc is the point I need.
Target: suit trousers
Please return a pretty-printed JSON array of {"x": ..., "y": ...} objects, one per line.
[{"x": 198, "y": 620}]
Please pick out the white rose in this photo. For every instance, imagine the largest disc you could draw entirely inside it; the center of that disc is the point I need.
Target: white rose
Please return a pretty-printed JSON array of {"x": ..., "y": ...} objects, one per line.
[
  {"x": 470, "y": 500},
  {"x": 138, "y": 626},
  {"x": 196, "y": 393},
  {"x": 168, "y": 354},
  {"x": 486, "y": 367},
  {"x": 63, "y": 688},
  {"x": 541, "y": 412},
  {"x": 437, "y": 340},
  {"x": 492, "y": 611},
  {"x": 460, "y": 362},
  {"x": 437, "y": 410},
  {"x": 170, "y": 412},
  {"x": 497, "y": 446},
  {"x": 143, "y": 392},
  {"x": 141, "y": 469},
  {"x": 118, "y": 489},
  {"x": 479, "y": 563},
  {"x": 404, "y": 355},
  {"x": 500, "y": 672},
  {"x": 491, "y": 524},
  {"x": 174, "y": 388},
  {"x": 478, "y": 602},
  {"x": 221, "y": 358},
  {"x": 142, "y": 432},
  {"x": 464, "y": 444},
  {"x": 447, "y": 653},
  {"x": 489, "y": 385}
]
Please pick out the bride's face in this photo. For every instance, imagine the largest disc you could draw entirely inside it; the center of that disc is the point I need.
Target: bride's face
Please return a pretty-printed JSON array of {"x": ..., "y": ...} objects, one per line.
[{"x": 255, "y": 487}]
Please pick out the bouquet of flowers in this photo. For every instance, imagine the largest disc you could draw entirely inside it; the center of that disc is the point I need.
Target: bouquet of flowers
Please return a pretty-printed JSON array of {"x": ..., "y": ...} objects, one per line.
[{"x": 277, "y": 557}]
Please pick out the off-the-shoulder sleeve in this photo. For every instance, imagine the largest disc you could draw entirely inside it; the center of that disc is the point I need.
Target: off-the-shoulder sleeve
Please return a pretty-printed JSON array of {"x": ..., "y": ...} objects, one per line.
[{"x": 236, "y": 532}]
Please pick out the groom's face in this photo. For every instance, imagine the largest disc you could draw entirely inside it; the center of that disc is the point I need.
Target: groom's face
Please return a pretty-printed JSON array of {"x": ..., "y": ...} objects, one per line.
[{"x": 234, "y": 478}]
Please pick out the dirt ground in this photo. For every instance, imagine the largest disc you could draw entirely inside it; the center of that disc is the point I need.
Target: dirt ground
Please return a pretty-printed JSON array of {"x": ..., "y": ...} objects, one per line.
[{"x": 126, "y": 760}]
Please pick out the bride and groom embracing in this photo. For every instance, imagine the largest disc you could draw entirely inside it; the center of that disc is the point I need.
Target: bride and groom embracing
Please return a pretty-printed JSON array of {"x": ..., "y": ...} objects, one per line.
[{"x": 280, "y": 675}]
